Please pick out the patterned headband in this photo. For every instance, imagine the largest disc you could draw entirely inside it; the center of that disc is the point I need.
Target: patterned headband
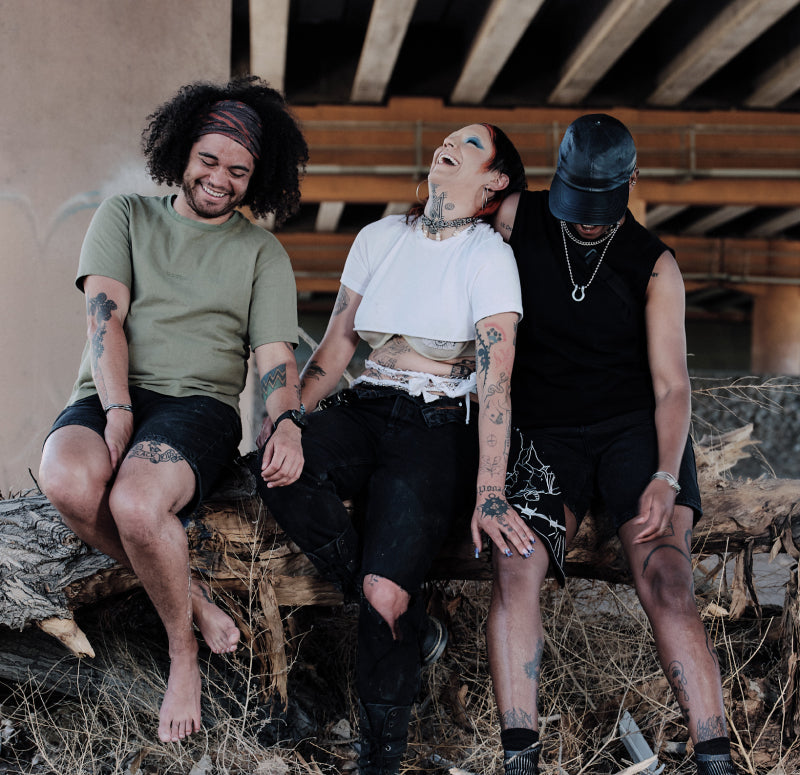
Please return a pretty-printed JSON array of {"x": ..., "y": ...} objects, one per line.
[{"x": 236, "y": 120}]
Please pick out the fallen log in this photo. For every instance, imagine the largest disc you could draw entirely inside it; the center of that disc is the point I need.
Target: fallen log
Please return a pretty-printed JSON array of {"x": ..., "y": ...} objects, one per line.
[{"x": 46, "y": 572}]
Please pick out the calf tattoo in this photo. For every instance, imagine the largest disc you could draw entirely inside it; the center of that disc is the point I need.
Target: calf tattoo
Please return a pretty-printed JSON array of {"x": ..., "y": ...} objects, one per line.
[
  {"x": 713, "y": 726},
  {"x": 533, "y": 669},
  {"x": 516, "y": 718},
  {"x": 678, "y": 682}
]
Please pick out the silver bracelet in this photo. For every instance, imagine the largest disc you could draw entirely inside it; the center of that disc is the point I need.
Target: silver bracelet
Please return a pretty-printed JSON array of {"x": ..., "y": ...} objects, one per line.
[
  {"x": 668, "y": 478},
  {"x": 126, "y": 407}
]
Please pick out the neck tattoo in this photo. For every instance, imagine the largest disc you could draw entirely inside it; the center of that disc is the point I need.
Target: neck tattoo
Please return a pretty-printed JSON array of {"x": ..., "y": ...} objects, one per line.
[
  {"x": 579, "y": 291},
  {"x": 435, "y": 226}
]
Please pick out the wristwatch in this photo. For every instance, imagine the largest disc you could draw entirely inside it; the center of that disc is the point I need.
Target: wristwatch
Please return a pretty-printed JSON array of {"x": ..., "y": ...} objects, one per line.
[{"x": 297, "y": 416}]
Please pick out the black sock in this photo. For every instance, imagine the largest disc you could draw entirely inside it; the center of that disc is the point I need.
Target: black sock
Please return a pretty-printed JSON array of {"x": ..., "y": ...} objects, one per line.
[
  {"x": 517, "y": 739},
  {"x": 715, "y": 747}
]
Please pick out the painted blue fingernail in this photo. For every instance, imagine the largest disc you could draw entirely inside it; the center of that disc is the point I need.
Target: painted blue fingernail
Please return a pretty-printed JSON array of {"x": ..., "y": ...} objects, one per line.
[
  {"x": 477, "y": 553},
  {"x": 507, "y": 552}
]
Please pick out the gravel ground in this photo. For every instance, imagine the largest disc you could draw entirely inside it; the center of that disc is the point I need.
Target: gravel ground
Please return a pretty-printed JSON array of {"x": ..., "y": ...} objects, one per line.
[{"x": 771, "y": 404}]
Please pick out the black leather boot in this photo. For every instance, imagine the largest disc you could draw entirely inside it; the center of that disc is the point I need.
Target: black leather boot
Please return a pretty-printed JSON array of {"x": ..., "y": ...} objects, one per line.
[{"x": 384, "y": 737}]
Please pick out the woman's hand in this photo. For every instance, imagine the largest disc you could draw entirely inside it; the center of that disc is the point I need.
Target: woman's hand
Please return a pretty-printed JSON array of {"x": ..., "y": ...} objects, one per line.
[{"x": 494, "y": 516}]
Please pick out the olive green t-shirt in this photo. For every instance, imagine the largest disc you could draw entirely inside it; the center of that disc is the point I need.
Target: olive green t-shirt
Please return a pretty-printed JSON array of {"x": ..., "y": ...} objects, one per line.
[{"x": 202, "y": 295}]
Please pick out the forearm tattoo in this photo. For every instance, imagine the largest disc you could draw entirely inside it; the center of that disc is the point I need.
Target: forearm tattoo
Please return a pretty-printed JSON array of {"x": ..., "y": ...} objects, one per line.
[
  {"x": 313, "y": 370},
  {"x": 273, "y": 380},
  {"x": 151, "y": 450},
  {"x": 492, "y": 465}
]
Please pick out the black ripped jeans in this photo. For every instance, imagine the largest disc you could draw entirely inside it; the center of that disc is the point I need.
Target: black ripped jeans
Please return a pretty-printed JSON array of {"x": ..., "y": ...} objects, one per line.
[{"x": 412, "y": 468}]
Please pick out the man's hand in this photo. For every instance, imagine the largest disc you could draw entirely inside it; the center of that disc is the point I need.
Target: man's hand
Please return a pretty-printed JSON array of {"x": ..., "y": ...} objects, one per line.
[
  {"x": 117, "y": 435},
  {"x": 655, "y": 511},
  {"x": 283, "y": 455},
  {"x": 494, "y": 516}
]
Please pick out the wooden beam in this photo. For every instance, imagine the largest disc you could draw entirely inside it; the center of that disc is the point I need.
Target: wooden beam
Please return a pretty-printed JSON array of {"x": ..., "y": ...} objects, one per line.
[
  {"x": 387, "y": 27},
  {"x": 776, "y": 225},
  {"x": 607, "y": 40},
  {"x": 328, "y": 216},
  {"x": 396, "y": 208},
  {"x": 727, "y": 191},
  {"x": 717, "y": 218},
  {"x": 365, "y": 189},
  {"x": 369, "y": 189},
  {"x": 269, "y": 30},
  {"x": 776, "y": 84},
  {"x": 731, "y": 31},
  {"x": 661, "y": 213},
  {"x": 502, "y": 27}
]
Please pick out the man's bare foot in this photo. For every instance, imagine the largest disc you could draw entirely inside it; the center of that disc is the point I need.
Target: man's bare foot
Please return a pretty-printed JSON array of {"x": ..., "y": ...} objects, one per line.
[
  {"x": 179, "y": 716},
  {"x": 219, "y": 631}
]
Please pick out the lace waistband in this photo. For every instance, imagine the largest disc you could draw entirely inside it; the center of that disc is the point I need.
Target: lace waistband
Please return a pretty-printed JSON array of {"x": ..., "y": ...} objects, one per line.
[{"x": 420, "y": 383}]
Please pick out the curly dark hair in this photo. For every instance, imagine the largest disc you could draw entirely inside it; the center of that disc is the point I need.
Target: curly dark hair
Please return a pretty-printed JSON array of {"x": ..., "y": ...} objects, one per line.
[
  {"x": 275, "y": 184},
  {"x": 506, "y": 159}
]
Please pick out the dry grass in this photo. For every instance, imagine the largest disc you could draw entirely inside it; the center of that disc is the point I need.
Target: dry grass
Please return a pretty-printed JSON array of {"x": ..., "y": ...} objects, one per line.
[{"x": 598, "y": 662}]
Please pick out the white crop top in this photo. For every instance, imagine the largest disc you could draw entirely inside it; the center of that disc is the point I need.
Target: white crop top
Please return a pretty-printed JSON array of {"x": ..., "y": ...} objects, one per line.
[{"x": 431, "y": 293}]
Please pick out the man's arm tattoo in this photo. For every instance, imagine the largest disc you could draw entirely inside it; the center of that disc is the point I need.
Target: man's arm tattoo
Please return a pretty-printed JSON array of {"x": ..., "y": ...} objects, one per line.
[
  {"x": 273, "y": 380},
  {"x": 100, "y": 308}
]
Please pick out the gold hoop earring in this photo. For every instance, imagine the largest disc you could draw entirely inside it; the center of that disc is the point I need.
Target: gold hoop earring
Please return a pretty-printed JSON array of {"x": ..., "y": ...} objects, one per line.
[{"x": 416, "y": 192}]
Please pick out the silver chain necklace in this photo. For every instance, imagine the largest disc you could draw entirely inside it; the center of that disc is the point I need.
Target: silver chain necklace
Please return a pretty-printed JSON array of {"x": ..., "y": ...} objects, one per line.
[
  {"x": 585, "y": 243},
  {"x": 579, "y": 291},
  {"x": 436, "y": 225}
]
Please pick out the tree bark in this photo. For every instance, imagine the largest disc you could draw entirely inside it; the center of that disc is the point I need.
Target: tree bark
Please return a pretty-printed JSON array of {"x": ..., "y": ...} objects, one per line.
[{"x": 46, "y": 572}]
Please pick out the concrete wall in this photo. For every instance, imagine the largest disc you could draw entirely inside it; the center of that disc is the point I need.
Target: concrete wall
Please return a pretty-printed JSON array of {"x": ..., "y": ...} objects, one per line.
[{"x": 79, "y": 79}]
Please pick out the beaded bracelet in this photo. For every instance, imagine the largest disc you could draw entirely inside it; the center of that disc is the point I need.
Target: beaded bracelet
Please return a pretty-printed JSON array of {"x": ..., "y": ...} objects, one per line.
[
  {"x": 126, "y": 407},
  {"x": 668, "y": 478}
]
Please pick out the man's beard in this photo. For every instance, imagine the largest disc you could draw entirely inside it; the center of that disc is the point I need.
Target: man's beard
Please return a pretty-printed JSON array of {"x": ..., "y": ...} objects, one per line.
[{"x": 201, "y": 209}]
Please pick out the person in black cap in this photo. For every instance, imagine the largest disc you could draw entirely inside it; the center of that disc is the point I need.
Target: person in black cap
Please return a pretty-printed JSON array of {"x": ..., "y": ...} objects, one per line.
[
  {"x": 601, "y": 409},
  {"x": 178, "y": 289}
]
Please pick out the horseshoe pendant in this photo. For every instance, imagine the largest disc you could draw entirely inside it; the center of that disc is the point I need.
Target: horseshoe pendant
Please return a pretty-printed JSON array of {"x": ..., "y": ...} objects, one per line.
[{"x": 579, "y": 289}]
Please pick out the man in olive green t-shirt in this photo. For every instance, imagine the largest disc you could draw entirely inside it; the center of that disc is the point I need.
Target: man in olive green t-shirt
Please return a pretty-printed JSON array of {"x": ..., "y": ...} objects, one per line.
[{"x": 179, "y": 290}]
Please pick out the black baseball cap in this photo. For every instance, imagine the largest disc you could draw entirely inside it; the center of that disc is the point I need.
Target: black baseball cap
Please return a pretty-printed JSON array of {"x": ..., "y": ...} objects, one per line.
[{"x": 596, "y": 159}]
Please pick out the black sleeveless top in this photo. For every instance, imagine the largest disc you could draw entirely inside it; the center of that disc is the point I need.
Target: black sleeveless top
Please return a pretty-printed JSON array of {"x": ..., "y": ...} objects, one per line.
[{"x": 580, "y": 362}]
